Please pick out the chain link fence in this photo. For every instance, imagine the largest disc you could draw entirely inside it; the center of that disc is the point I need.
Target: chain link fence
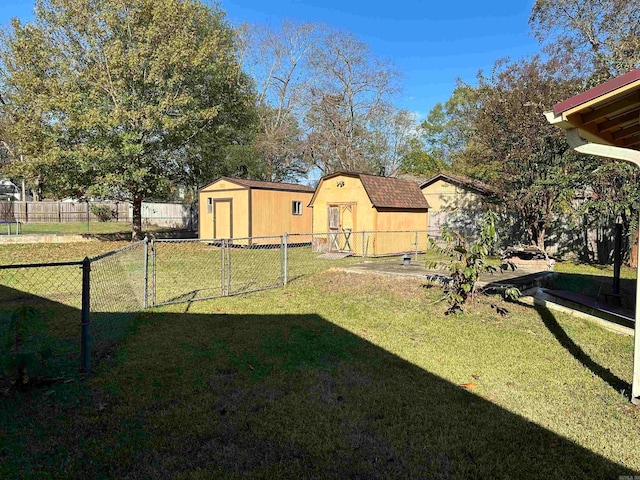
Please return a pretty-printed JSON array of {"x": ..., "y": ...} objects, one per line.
[
  {"x": 118, "y": 287},
  {"x": 52, "y": 314},
  {"x": 87, "y": 306}
]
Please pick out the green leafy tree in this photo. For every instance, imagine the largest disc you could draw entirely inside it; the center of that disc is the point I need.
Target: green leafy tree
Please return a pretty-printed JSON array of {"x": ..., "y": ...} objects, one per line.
[
  {"x": 597, "y": 40},
  {"x": 116, "y": 97},
  {"x": 416, "y": 161},
  {"x": 448, "y": 128},
  {"x": 534, "y": 168}
]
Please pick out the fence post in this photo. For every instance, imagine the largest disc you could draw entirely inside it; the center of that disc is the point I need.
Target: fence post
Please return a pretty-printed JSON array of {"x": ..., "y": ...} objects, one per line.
[
  {"x": 153, "y": 273},
  {"x": 364, "y": 251},
  {"x": 285, "y": 241},
  {"x": 416, "y": 259},
  {"x": 229, "y": 267},
  {"x": 85, "y": 325},
  {"x": 222, "y": 275},
  {"x": 145, "y": 254}
]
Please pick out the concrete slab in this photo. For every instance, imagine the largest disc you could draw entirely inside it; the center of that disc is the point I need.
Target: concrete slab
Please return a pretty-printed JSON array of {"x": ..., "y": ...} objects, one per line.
[{"x": 517, "y": 278}]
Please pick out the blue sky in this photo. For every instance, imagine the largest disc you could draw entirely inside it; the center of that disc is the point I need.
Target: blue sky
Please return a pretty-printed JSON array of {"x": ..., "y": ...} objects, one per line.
[{"x": 432, "y": 42}]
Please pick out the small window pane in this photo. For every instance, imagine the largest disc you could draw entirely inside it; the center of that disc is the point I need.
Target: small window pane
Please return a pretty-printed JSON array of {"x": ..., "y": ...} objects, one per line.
[
  {"x": 296, "y": 208},
  {"x": 209, "y": 205}
]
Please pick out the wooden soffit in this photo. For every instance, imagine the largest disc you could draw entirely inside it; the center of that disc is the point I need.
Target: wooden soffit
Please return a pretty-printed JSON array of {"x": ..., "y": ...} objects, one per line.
[{"x": 608, "y": 113}]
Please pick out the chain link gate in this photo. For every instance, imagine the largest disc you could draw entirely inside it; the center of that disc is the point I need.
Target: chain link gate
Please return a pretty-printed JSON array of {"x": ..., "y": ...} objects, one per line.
[{"x": 184, "y": 270}]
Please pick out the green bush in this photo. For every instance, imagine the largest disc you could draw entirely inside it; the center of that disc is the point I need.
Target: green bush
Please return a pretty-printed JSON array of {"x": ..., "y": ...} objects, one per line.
[{"x": 103, "y": 212}]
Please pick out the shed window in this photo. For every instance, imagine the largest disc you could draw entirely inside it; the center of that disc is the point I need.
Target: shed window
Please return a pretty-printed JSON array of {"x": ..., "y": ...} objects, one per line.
[
  {"x": 209, "y": 205},
  {"x": 296, "y": 207}
]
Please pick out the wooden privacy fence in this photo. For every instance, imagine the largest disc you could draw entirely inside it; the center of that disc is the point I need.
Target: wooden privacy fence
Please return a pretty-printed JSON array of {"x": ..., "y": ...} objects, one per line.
[{"x": 162, "y": 214}]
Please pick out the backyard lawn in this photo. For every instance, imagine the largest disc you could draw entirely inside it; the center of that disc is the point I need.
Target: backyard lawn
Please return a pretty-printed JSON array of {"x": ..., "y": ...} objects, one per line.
[
  {"x": 68, "y": 228},
  {"x": 78, "y": 228},
  {"x": 336, "y": 375}
]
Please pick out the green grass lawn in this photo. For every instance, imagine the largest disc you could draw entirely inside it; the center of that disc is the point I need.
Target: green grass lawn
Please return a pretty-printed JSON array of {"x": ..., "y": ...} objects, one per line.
[
  {"x": 68, "y": 228},
  {"x": 336, "y": 375},
  {"x": 78, "y": 228}
]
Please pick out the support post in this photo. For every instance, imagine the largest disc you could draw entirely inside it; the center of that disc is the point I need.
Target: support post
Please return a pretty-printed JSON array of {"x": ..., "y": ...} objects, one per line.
[
  {"x": 635, "y": 384},
  {"x": 85, "y": 325},
  {"x": 145, "y": 293},
  {"x": 617, "y": 258},
  {"x": 228, "y": 267},
  {"x": 364, "y": 250},
  {"x": 222, "y": 260},
  {"x": 153, "y": 273},
  {"x": 416, "y": 245},
  {"x": 285, "y": 241}
]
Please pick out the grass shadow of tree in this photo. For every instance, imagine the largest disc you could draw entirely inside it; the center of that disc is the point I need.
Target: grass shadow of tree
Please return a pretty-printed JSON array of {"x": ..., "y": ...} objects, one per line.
[{"x": 579, "y": 354}]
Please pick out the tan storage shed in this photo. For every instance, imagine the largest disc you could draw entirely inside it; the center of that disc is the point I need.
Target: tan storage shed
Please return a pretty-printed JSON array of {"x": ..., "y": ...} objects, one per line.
[
  {"x": 239, "y": 208},
  {"x": 455, "y": 201},
  {"x": 347, "y": 202}
]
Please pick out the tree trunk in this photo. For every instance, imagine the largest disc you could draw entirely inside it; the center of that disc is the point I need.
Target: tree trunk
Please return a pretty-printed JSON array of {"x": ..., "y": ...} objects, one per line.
[
  {"x": 633, "y": 258},
  {"x": 538, "y": 232},
  {"x": 137, "y": 219},
  {"x": 36, "y": 191}
]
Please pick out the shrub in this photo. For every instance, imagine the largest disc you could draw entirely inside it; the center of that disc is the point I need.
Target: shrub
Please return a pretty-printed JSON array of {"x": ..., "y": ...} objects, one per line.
[
  {"x": 467, "y": 263},
  {"x": 103, "y": 212}
]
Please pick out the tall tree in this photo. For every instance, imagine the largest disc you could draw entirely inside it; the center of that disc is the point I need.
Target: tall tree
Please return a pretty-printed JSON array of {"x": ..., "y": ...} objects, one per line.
[
  {"x": 448, "y": 128},
  {"x": 418, "y": 162},
  {"x": 600, "y": 38},
  {"x": 392, "y": 136},
  {"x": 537, "y": 172},
  {"x": 352, "y": 91},
  {"x": 278, "y": 60},
  {"x": 117, "y": 92}
]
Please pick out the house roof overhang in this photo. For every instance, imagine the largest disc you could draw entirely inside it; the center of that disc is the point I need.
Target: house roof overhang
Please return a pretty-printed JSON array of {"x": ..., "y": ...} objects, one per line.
[{"x": 608, "y": 114}]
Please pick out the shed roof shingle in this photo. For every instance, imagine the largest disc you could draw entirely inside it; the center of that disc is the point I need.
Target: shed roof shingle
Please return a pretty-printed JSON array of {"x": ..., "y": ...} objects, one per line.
[{"x": 386, "y": 192}]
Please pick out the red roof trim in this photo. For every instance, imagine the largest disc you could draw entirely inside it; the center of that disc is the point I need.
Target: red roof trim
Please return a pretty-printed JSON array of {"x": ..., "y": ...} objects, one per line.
[{"x": 597, "y": 91}]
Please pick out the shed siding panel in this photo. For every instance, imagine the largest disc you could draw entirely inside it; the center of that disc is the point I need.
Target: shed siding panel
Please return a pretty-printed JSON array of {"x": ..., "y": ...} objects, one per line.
[
  {"x": 272, "y": 212},
  {"x": 397, "y": 221},
  {"x": 444, "y": 196},
  {"x": 240, "y": 206}
]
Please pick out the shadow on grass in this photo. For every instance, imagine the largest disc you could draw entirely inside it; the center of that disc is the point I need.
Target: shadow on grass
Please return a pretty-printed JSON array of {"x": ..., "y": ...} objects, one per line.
[
  {"x": 595, "y": 286},
  {"x": 579, "y": 354},
  {"x": 288, "y": 396}
]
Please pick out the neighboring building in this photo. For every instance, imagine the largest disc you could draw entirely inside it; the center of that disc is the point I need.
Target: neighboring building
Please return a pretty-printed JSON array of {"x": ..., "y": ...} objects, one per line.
[
  {"x": 347, "y": 202},
  {"x": 455, "y": 201},
  {"x": 9, "y": 190},
  {"x": 238, "y": 208}
]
